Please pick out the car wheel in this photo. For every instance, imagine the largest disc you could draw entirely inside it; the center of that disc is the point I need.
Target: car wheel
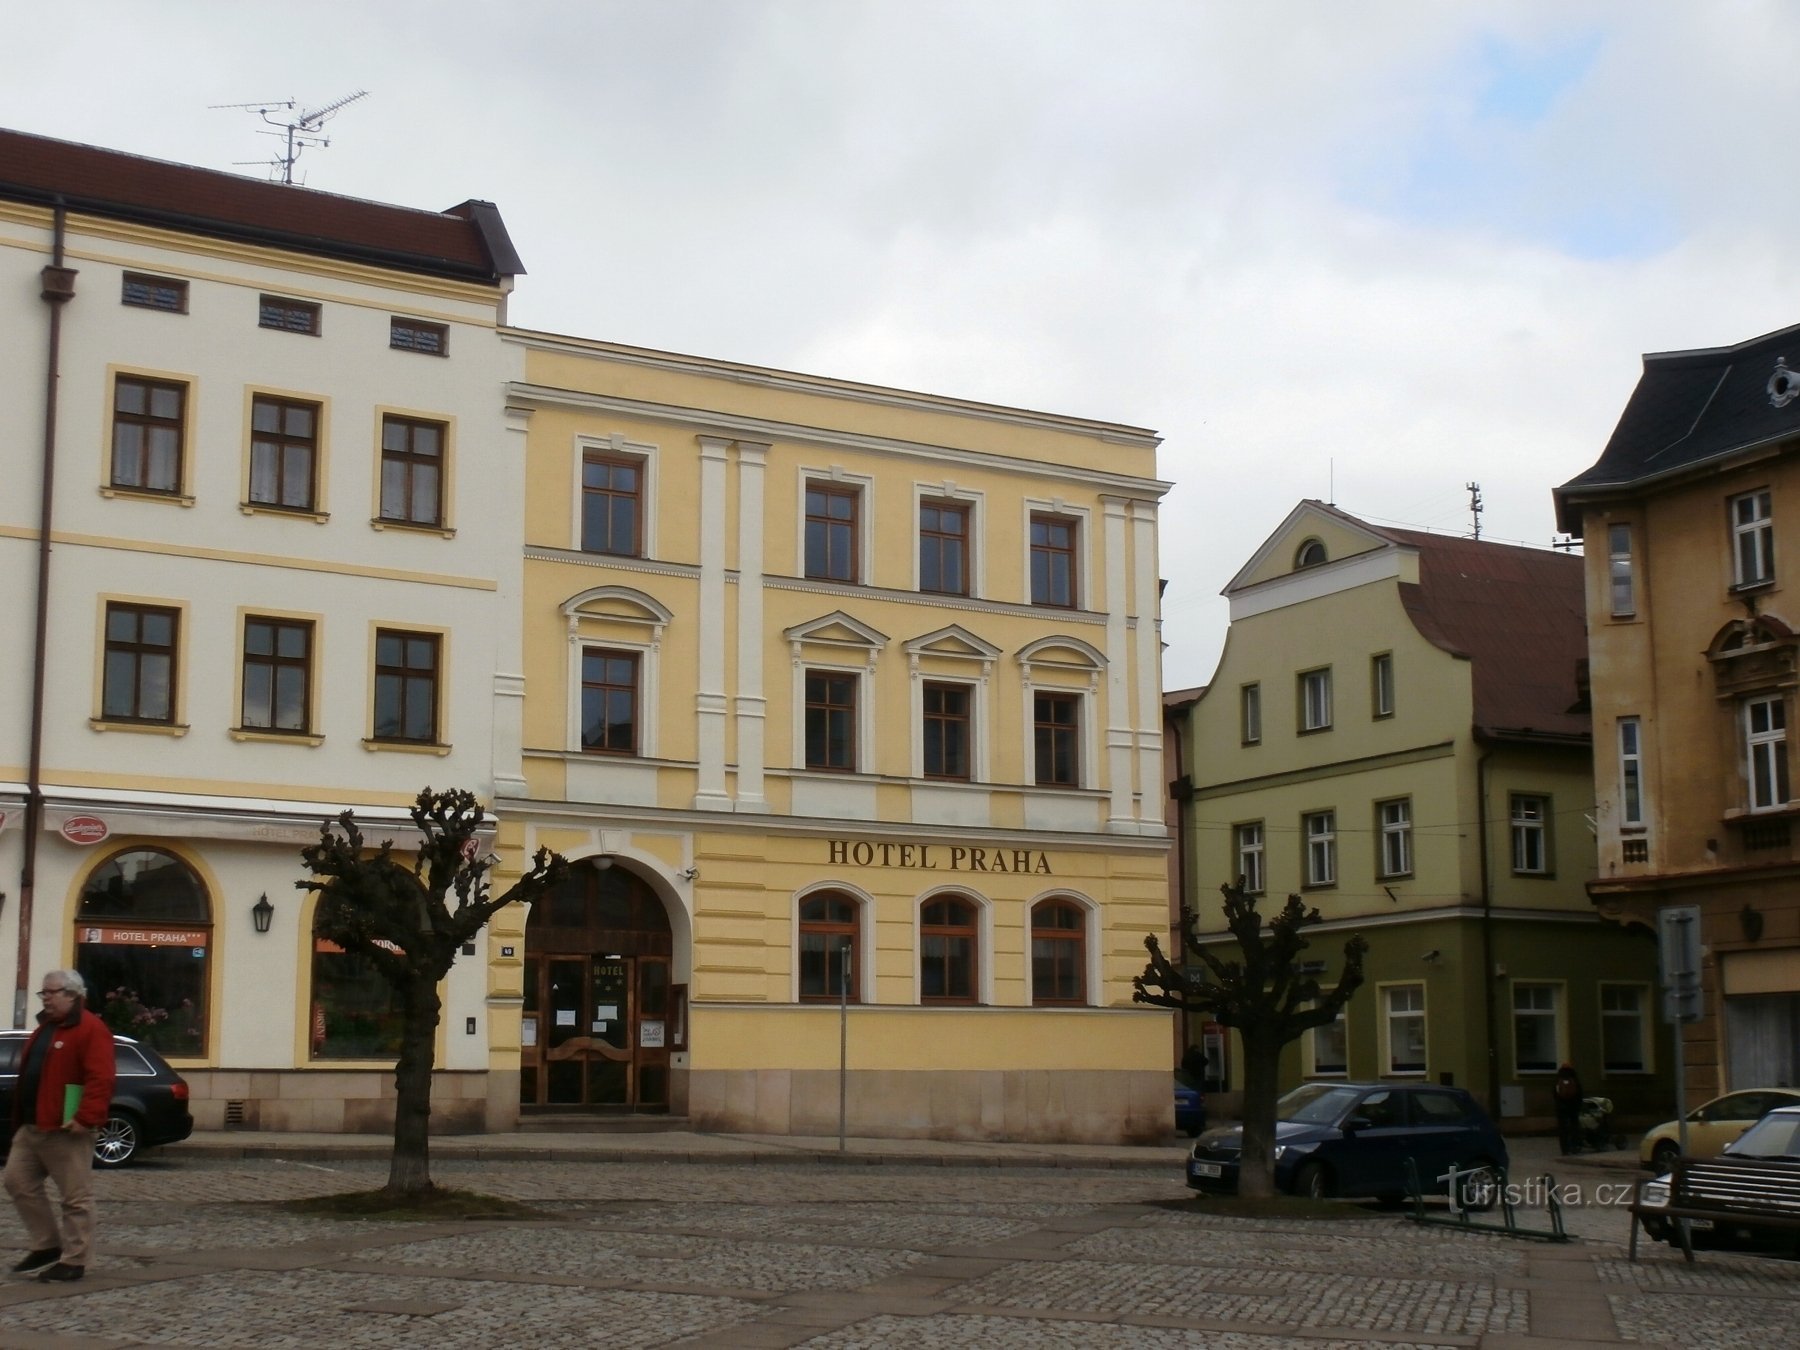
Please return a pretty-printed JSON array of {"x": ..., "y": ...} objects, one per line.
[
  {"x": 1313, "y": 1181},
  {"x": 1657, "y": 1230},
  {"x": 1663, "y": 1156},
  {"x": 117, "y": 1140},
  {"x": 1479, "y": 1188}
]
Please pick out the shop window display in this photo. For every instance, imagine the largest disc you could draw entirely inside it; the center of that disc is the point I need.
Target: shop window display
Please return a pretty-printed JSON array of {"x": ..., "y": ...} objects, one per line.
[{"x": 143, "y": 934}]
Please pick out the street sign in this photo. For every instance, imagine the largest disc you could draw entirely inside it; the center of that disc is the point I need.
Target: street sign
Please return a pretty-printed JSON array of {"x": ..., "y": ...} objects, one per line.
[{"x": 1678, "y": 955}]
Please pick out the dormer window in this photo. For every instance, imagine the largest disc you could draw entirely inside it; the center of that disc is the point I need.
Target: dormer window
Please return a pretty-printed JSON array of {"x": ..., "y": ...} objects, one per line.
[{"x": 1309, "y": 554}]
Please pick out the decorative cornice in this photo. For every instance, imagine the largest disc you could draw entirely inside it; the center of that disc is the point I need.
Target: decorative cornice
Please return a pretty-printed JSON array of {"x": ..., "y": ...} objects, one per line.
[{"x": 738, "y": 426}]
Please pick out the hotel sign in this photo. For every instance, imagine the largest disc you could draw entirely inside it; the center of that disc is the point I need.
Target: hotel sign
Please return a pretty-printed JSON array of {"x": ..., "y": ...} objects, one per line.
[{"x": 937, "y": 857}]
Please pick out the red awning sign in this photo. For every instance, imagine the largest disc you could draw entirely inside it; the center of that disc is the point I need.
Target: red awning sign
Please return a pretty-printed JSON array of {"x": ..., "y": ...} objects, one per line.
[
  {"x": 119, "y": 935},
  {"x": 84, "y": 830}
]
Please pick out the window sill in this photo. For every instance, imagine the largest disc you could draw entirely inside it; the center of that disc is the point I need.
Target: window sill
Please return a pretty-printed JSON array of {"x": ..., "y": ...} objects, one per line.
[
  {"x": 1318, "y": 886},
  {"x": 1313, "y": 731},
  {"x": 276, "y": 737},
  {"x": 412, "y": 527},
  {"x": 292, "y": 512},
  {"x": 1744, "y": 815},
  {"x": 152, "y": 728},
  {"x": 111, "y": 490},
  {"x": 1534, "y": 876},
  {"x": 1386, "y": 877},
  {"x": 406, "y": 747},
  {"x": 1746, "y": 587}
]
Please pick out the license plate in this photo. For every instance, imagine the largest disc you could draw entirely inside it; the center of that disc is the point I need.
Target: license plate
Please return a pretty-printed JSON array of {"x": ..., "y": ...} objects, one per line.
[
  {"x": 1201, "y": 1169},
  {"x": 1700, "y": 1225}
]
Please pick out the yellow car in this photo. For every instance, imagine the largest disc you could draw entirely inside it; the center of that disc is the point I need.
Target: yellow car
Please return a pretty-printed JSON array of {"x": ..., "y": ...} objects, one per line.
[{"x": 1712, "y": 1126}]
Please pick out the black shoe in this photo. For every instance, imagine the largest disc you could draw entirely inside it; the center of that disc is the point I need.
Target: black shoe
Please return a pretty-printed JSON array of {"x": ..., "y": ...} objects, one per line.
[
  {"x": 43, "y": 1256},
  {"x": 57, "y": 1273}
]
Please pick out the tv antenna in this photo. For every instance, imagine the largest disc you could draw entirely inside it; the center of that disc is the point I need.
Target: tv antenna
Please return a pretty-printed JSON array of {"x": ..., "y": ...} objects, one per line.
[
  {"x": 1474, "y": 490},
  {"x": 297, "y": 129}
]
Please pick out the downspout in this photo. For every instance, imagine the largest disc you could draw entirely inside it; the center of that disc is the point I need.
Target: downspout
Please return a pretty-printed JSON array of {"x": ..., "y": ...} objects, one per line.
[
  {"x": 58, "y": 289},
  {"x": 1487, "y": 934}
]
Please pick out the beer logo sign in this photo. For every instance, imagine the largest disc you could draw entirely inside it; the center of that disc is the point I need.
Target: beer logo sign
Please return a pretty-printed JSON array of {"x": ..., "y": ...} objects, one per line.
[{"x": 84, "y": 830}]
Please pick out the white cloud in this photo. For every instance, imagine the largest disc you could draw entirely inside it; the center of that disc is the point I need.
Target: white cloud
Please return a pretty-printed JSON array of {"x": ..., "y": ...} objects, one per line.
[{"x": 1301, "y": 240}]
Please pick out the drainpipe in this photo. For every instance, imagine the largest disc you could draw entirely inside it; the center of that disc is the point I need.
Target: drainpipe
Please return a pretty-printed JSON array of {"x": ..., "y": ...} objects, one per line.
[
  {"x": 1487, "y": 934},
  {"x": 58, "y": 288}
]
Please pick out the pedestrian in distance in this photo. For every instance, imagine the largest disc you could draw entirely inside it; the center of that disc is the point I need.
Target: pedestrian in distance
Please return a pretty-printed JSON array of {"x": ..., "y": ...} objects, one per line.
[
  {"x": 1566, "y": 1091},
  {"x": 63, "y": 1093}
]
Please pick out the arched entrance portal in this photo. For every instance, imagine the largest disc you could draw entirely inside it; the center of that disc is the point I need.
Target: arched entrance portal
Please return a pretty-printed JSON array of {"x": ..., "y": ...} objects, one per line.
[{"x": 597, "y": 994}]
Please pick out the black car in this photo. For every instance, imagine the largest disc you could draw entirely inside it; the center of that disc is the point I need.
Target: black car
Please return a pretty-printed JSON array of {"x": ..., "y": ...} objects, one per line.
[
  {"x": 1355, "y": 1139},
  {"x": 149, "y": 1104}
]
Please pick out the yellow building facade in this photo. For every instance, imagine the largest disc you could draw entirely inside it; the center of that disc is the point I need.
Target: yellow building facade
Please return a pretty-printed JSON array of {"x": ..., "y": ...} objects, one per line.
[
  {"x": 845, "y": 703},
  {"x": 1691, "y": 521},
  {"x": 1394, "y": 732}
]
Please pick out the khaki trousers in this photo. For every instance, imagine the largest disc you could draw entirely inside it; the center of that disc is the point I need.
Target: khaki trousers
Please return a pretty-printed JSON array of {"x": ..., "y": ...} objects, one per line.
[{"x": 67, "y": 1158}]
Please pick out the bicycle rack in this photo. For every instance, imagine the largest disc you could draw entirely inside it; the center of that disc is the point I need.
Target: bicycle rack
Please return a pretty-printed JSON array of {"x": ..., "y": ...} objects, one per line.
[{"x": 1460, "y": 1216}]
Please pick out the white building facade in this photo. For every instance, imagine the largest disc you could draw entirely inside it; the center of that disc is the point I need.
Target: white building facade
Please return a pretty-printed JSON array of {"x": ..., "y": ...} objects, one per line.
[{"x": 261, "y": 431}]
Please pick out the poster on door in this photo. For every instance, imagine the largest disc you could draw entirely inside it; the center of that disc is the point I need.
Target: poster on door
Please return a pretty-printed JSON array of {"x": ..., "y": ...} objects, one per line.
[{"x": 650, "y": 1035}]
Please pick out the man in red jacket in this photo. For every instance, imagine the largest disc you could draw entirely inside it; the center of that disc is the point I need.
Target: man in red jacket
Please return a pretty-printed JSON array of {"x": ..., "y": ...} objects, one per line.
[{"x": 63, "y": 1094}]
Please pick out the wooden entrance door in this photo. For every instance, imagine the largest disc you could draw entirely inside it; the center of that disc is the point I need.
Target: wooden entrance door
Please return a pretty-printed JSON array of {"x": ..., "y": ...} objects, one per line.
[{"x": 597, "y": 956}]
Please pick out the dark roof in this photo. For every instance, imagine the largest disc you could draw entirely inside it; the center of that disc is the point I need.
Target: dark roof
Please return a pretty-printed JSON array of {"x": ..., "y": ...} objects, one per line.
[
  {"x": 1689, "y": 409},
  {"x": 1519, "y": 615},
  {"x": 467, "y": 242}
]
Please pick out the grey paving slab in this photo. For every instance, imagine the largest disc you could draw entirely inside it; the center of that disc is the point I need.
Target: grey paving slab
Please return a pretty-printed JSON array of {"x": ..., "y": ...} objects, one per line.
[{"x": 193, "y": 1251}]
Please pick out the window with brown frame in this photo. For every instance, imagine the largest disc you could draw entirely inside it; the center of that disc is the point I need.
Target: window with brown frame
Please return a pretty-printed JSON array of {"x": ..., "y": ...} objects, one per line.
[
  {"x": 947, "y": 730},
  {"x": 949, "y": 951},
  {"x": 149, "y": 427},
  {"x": 419, "y": 335},
  {"x": 406, "y": 686},
  {"x": 831, "y": 720},
  {"x": 1058, "y": 952},
  {"x": 277, "y": 675},
  {"x": 141, "y": 291},
  {"x": 944, "y": 547},
  {"x": 1053, "y": 571},
  {"x": 612, "y": 504},
  {"x": 829, "y": 938},
  {"x": 1056, "y": 721},
  {"x": 832, "y": 527},
  {"x": 284, "y": 453},
  {"x": 609, "y": 701},
  {"x": 288, "y": 316},
  {"x": 139, "y": 680},
  {"x": 412, "y": 471}
]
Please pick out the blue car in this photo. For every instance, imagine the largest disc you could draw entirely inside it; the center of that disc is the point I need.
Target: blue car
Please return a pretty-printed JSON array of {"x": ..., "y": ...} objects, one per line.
[
  {"x": 1190, "y": 1108},
  {"x": 1353, "y": 1139}
]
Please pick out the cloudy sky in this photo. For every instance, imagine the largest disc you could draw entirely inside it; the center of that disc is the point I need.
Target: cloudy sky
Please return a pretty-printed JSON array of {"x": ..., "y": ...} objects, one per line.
[{"x": 1368, "y": 252}]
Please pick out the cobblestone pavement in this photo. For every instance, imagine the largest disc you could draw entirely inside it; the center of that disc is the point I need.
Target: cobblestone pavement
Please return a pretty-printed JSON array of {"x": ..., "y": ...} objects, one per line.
[{"x": 719, "y": 1257}]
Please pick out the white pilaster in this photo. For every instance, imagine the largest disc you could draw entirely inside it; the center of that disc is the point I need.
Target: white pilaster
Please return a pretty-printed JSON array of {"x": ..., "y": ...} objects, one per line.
[
  {"x": 750, "y": 703},
  {"x": 1147, "y": 604},
  {"x": 1119, "y": 768},
  {"x": 508, "y": 735},
  {"x": 709, "y": 696}
]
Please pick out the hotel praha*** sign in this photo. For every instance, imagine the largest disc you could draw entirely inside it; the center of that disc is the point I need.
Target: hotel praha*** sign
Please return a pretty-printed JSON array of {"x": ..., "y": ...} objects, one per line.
[{"x": 937, "y": 857}]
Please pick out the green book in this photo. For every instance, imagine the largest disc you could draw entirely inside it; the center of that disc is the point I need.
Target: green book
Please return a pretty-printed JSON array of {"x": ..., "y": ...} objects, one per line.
[{"x": 71, "y": 1101}]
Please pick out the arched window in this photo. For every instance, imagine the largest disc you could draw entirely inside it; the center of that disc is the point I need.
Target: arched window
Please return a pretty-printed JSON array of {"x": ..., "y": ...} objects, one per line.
[
  {"x": 949, "y": 951},
  {"x": 143, "y": 928},
  {"x": 356, "y": 1014},
  {"x": 829, "y": 938},
  {"x": 1310, "y": 554},
  {"x": 1058, "y": 952}
]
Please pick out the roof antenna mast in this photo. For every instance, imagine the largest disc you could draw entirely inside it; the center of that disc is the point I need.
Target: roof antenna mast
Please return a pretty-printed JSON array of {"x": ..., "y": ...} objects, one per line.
[
  {"x": 1475, "y": 505},
  {"x": 298, "y": 130}
]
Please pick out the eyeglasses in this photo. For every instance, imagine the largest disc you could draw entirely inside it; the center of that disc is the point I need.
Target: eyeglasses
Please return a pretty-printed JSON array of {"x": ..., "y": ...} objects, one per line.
[{"x": 51, "y": 993}]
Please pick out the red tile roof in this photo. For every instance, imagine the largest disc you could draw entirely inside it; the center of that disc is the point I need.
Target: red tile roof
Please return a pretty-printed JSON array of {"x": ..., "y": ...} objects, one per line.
[
  {"x": 467, "y": 241},
  {"x": 1519, "y": 614}
]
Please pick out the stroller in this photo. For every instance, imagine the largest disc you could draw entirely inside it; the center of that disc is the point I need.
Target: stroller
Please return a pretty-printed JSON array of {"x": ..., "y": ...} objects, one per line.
[{"x": 1595, "y": 1121}]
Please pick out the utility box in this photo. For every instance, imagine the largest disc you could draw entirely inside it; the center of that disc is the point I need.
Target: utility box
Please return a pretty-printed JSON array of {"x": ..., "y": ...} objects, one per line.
[{"x": 1512, "y": 1101}]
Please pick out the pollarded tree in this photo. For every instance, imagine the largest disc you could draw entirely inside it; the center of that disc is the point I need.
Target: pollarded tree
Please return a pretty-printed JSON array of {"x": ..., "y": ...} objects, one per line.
[
  {"x": 1264, "y": 994},
  {"x": 409, "y": 921}
]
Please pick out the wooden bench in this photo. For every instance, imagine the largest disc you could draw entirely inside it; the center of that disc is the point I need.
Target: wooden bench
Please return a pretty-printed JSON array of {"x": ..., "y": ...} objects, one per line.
[{"x": 1724, "y": 1190}]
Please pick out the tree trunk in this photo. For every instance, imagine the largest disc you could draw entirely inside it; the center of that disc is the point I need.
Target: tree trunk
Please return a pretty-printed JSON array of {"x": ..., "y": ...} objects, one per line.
[
  {"x": 1262, "y": 1065},
  {"x": 409, "y": 1171}
]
